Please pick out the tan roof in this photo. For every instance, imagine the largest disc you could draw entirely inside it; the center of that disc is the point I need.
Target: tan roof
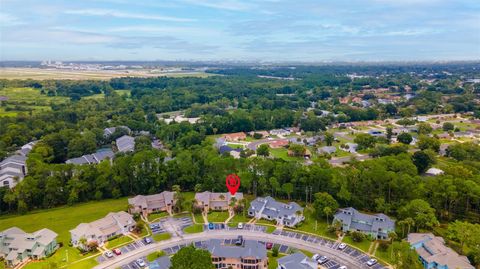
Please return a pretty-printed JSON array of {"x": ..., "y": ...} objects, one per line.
[
  {"x": 112, "y": 222},
  {"x": 235, "y": 135},
  {"x": 22, "y": 241},
  {"x": 207, "y": 197},
  {"x": 433, "y": 249},
  {"x": 158, "y": 200}
]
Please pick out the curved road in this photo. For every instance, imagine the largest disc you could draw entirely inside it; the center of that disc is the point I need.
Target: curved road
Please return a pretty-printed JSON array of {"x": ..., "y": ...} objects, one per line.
[{"x": 337, "y": 255}]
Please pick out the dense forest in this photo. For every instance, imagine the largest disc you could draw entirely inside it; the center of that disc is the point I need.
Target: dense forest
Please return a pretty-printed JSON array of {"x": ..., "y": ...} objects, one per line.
[{"x": 391, "y": 183}]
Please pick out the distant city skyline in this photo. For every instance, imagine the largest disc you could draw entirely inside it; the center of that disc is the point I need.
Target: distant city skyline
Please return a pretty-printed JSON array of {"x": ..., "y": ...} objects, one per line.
[{"x": 236, "y": 30}]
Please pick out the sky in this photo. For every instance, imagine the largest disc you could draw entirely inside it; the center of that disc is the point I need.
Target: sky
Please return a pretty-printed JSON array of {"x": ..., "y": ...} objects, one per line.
[{"x": 240, "y": 30}]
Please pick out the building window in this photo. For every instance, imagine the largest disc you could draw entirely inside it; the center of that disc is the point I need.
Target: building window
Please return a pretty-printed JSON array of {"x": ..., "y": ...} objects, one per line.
[{"x": 6, "y": 183}]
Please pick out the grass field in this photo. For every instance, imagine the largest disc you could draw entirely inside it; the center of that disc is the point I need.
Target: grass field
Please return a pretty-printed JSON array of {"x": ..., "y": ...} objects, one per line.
[
  {"x": 43, "y": 74},
  {"x": 160, "y": 237},
  {"x": 61, "y": 220},
  {"x": 217, "y": 216},
  {"x": 282, "y": 153},
  {"x": 27, "y": 100},
  {"x": 195, "y": 228},
  {"x": 319, "y": 227},
  {"x": 364, "y": 245}
]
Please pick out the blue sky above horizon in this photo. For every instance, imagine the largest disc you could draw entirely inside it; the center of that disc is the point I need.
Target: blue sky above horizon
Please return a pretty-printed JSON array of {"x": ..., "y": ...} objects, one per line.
[{"x": 270, "y": 30}]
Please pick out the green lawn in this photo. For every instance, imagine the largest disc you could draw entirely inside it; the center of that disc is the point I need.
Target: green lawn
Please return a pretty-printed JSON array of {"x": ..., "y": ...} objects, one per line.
[
  {"x": 364, "y": 245},
  {"x": 160, "y": 237},
  {"x": 239, "y": 218},
  {"x": 198, "y": 218},
  {"x": 155, "y": 255},
  {"x": 61, "y": 220},
  {"x": 384, "y": 255},
  {"x": 272, "y": 261},
  {"x": 309, "y": 225},
  {"x": 217, "y": 216},
  {"x": 282, "y": 153},
  {"x": 195, "y": 228},
  {"x": 118, "y": 241},
  {"x": 157, "y": 215}
]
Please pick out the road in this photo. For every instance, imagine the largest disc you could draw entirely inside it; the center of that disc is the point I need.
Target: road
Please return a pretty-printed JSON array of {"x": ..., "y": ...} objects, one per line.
[{"x": 345, "y": 259}]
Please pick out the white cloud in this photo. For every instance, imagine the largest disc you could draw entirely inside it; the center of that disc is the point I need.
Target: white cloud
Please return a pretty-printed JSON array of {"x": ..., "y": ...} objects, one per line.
[
  {"x": 231, "y": 5},
  {"x": 126, "y": 15},
  {"x": 9, "y": 20}
]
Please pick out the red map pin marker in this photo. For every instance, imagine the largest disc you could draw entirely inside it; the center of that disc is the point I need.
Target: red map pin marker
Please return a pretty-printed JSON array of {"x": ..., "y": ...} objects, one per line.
[{"x": 233, "y": 183}]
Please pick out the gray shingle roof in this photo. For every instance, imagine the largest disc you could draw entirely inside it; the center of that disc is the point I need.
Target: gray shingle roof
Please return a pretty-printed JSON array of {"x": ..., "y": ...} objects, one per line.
[
  {"x": 297, "y": 261},
  {"x": 96, "y": 157},
  {"x": 125, "y": 143},
  {"x": 274, "y": 208},
  {"x": 249, "y": 249},
  {"x": 364, "y": 222}
]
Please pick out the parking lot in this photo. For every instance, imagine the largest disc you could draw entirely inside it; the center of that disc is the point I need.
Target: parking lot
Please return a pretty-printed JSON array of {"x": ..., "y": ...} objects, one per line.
[
  {"x": 124, "y": 249},
  {"x": 171, "y": 225},
  {"x": 178, "y": 224},
  {"x": 354, "y": 253},
  {"x": 246, "y": 227}
]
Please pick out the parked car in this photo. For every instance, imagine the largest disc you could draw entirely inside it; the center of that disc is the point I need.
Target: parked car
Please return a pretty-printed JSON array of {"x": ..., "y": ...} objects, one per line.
[
  {"x": 239, "y": 240},
  {"x": 269, "y": 245},
  {"x": 211, "y": 226},
  {"x": 322, "y": 260},
  {"x": 117, "y": 251},
  {"x": 147, "y": 240},
  {"x": 240, "y": 225},
  {"x": 342, "y": 246},
  {"x": 109, "y": 254},
  {"x": 315, "y": 257},
  {"x": 141, "y": 263},
  {"x": 372, "y": 262},
  {"x": 342, "y": 267}
]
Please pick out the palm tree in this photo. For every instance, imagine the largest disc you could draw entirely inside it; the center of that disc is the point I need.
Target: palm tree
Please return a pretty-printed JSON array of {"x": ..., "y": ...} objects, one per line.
[
  {"x": 327, "y": 211},
  {"x": 176, "y": 188},
  {"x": 392, "y": 235},
  {"x": 83, "y": 242}
]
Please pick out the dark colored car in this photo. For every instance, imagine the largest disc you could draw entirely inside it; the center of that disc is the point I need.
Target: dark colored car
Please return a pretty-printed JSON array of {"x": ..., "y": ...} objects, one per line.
[
  {"x": 239, "y": 240},
  {"x": 269, "y": 245}
]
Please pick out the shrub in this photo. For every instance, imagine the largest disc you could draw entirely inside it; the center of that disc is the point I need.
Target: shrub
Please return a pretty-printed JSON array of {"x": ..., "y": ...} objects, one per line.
[
  {"x": 275, "y": 251},
  {"x": 357, "y": 236},
  {"x": 383, "y": 245}
]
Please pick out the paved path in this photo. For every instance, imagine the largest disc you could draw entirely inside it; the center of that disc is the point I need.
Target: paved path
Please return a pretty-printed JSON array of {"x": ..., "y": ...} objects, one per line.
[{"x": 342, "y": 257}]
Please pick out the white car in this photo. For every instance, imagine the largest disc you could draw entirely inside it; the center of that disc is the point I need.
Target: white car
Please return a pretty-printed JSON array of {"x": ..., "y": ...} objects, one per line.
[
  {"x": 109, "y": 254},
  {"x": 342, "y": 246},
  {"x": 371, "y": 262},
  {"x": 315, "y": 257},
  {"x": 322, "y": 260},
  {"x": 240, "y": 225},
  {"x": 141, "y": 263},
  {"x": 342, "y": 267}
]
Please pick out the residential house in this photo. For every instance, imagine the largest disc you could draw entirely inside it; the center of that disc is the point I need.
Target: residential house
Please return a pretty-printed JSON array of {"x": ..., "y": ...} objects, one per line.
[
  {"x": 219, "y": 142},
  {"x": 107, "y": 132},
  {"x": 296, "y": 260},
  {"x": 215, "y": 200},
  {"x": 376, "y": 225},
  {"x": 17, "y": 246},
  {"x": 25, "y": 149},
  {"x": 94, "y": 158},
  {"x": 280, "y": 132},
  {"x": 434, "y": 172},
  {"x": 434, "y": 254},
  {"x": 350, "y": 147},
  {"x": 235, "y": 136},
  {"x": 264, "y": 134},
  {"x": 249, "y": 255},
  {"x": 125, "y": 143},
  {"x": 100, "y": 231},
  {"x": 14, "y": 168},
  {"x": 279, "y": 143},
  {"x": 327, "y": 150},
  {"x": 284, "y": 214},
  {"x": 147, "y": 204}
]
